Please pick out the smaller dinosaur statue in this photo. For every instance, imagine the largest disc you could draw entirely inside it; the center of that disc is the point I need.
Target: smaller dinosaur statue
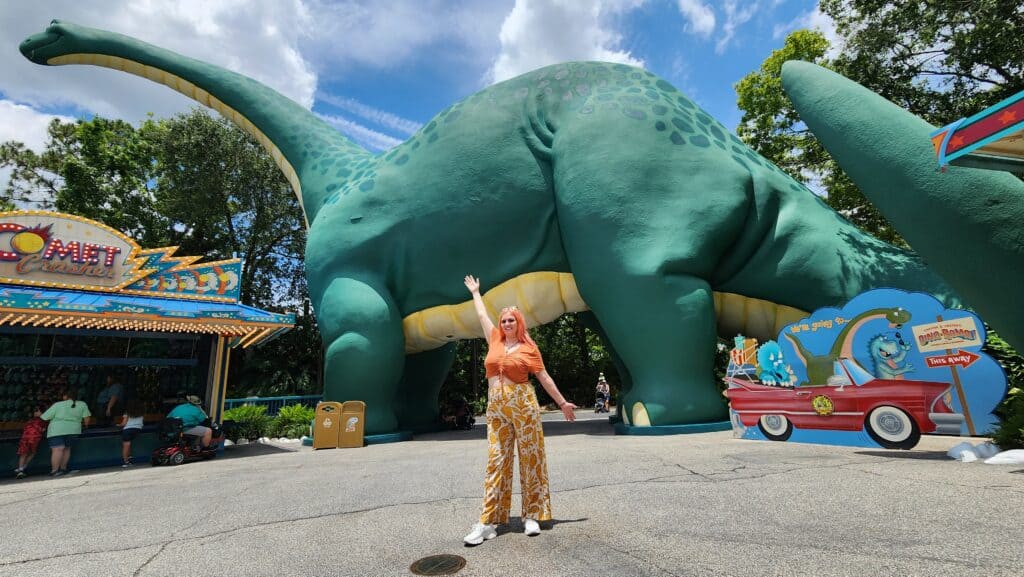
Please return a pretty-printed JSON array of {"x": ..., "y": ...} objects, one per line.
[
  {"x": 772, "y": 368},
  {"x": 820, "y": 367},
  {"x": 889, "y": 353}
]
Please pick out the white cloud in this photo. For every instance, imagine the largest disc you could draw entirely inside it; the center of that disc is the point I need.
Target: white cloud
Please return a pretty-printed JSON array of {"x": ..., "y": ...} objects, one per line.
[
  {"x": 380, "y": 117},
  {"x": 386, "y": 35},
  {"x": 366, "y": 137},
  {"x": 735, "y": 16},
  {"x": 27, "y": 126},
  {"x": 813, "y": 20},
  {"x": 541, "y": 32},
  {"x": 700, "y": 17},
  {"x": 22, "y": 123},
  {"x": 258, "y": 39}
]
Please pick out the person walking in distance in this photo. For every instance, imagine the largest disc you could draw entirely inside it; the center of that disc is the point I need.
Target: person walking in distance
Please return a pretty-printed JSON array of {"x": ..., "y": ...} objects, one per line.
[{"x": 513, "y": 422}]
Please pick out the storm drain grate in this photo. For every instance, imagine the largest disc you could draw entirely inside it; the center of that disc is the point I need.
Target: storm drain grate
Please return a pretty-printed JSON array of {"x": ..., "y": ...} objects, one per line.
[{"x": 438, "y": 565}]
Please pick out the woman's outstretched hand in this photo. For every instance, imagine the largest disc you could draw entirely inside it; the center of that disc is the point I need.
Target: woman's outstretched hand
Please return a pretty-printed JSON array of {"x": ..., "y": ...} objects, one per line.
[
  {"x": 472, "y": 283},
  {"x": 568, "y": 411}
]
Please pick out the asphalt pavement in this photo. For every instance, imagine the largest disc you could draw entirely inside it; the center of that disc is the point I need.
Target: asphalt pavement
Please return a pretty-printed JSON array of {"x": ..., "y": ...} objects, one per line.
[{"x": 702, "y": 504}]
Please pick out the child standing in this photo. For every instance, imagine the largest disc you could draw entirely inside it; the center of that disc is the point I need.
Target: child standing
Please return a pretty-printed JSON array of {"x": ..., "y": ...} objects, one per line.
[
  {"x": 131, "y": 422},
  {"x": 31, "y": 435}
]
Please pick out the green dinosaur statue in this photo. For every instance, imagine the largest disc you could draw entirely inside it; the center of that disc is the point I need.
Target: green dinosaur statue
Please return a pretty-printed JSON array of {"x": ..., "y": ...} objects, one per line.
[
  {"x": 820, "y": 367},
  {"x": 578, "y": 186},
  {"x": 966, "y": 222}
]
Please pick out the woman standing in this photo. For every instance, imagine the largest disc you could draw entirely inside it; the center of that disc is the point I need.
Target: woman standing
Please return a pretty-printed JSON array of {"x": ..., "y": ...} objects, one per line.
[
  {"x": 513, "y": 420},
  {"x": 66, "y": 419}
]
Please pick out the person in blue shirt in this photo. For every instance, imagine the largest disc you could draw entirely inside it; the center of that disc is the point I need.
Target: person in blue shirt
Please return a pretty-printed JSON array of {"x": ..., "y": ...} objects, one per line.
[{"x": 192, "y": 417}]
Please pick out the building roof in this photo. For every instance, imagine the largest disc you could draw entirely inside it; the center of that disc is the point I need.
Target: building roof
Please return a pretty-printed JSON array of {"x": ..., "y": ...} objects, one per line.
[
  {"x": 991, "y": 139},
  {"x": 53, "y": 308}
]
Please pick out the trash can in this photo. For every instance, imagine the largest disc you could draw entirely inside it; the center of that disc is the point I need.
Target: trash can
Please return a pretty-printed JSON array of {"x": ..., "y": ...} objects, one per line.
[
  {"x": 352, "y": 417},
  {"x": 327, "y": 425}
]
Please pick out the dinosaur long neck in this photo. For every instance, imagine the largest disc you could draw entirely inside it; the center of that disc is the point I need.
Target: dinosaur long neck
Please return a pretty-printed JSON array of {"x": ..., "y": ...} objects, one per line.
[
  {"x": 293, "y": 136},
  {"x": 843, "y": 345}
]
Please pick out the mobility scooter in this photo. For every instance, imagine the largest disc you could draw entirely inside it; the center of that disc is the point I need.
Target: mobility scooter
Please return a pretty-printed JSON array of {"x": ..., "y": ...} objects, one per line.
[{"x": 177, "y": 447}]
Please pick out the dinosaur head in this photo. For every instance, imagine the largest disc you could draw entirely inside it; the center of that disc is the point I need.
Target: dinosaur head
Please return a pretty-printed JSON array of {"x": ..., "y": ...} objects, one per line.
[
  {"x": 964, "y": 222},
  {"x": 897, "y": 317},
  {"x": 56, "y": 40}
]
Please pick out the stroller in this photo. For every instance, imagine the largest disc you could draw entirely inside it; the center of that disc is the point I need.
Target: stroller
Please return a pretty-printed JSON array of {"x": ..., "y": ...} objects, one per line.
[
  {"x": 177, "y": 447},
  {"x": 601, "y": 403}
]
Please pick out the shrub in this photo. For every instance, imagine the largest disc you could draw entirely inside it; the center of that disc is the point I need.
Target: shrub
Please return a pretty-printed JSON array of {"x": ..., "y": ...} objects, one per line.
[
  {"x": 292, "y": 421},
  {"x": 1009, "y": 432},
  {"x": 250, "y": 422}
]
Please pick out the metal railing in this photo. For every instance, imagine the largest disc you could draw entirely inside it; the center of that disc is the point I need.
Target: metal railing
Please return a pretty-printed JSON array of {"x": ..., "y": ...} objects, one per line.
[{"x": 274, "y": 404}]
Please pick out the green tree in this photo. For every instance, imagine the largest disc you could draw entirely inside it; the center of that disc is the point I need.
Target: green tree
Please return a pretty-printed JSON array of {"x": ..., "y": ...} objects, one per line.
[
  {"x": 771, "y": 126},
  {"x": 100, "y": 169},
  {"x": 940, "y": 59}
]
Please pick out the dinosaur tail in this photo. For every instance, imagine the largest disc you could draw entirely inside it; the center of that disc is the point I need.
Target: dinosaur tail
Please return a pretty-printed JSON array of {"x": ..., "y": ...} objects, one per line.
[
  {"x": 292, "y": 135},
  {"x": 965, "y": 222}
]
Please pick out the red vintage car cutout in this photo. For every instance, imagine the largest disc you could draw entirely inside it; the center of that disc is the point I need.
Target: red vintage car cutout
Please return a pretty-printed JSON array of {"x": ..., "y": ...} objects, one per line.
[{"x": 894, "y": 412}]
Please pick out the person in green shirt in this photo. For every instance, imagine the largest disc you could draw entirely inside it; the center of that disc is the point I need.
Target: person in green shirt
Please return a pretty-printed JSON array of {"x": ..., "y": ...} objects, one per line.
[{"x": 66, "y": 419}]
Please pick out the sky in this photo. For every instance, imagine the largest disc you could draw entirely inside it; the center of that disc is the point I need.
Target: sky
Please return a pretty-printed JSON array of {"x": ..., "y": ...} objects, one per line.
[{"x": 378, "y": 70}]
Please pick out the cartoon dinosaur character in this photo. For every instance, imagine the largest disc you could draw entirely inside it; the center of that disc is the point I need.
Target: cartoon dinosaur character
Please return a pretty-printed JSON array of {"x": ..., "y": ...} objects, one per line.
[
  {"x": 575, "y": 186},
  {"x": 821, "y": 367},
  {"x": 889, "y": 353},
  {"x": 965, "y": 222},
  {"x": 772, "y": 368}
]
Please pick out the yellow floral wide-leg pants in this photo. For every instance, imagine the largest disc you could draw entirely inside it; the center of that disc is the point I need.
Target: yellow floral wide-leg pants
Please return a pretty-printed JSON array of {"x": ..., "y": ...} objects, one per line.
[{"x": 513, "y": 419}]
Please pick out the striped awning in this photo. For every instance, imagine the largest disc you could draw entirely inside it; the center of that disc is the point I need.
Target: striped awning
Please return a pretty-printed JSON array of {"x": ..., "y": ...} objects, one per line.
[
  {"x": 51, "y": 308},
  {"x": 992, "y": 138}
]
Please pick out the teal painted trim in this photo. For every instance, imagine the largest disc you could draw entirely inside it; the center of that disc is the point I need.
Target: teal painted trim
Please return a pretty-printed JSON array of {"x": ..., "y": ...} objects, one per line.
[
  {"x": 991, "y": 109},
  {"x": 943, "y": 161},
  {"x": 92, "y": 333},
  {"x": 396, "y": 437},
  {"x": 987, "y": 140},
  {"x": 624, "y": 429},
  {"x": 92, "y": 361}
]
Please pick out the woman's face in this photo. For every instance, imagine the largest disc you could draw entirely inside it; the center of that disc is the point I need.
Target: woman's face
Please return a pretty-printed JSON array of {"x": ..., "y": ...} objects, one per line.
[{"x": 508, "y": 324}]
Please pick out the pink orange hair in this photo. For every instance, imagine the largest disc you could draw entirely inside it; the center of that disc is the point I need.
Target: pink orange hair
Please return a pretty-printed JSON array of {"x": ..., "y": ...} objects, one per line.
[{"x": 522, "y": 335}]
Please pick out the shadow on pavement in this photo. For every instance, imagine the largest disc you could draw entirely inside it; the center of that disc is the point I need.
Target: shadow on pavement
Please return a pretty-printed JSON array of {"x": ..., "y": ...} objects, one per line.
[
  {"x": 255, "y": 450},
  {"x": 919, "y": 455},
  {"x": 596, "y": 427}
]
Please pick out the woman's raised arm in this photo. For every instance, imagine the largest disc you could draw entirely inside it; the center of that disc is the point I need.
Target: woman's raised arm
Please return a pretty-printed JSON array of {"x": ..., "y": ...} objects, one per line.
[{"x": 473, "y": 284}]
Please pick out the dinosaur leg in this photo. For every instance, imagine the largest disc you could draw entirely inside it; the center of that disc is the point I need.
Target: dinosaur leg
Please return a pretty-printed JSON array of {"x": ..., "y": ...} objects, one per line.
[
  {"x": 664, "y": 331},
  {"x": 362, "y": 328},
  {"x": 416, "y": 402},
  {"x": 641, "y": 241}
]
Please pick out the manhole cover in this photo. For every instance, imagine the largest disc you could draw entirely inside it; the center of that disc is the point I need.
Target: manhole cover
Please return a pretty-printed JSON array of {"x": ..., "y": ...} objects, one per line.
[{"x": 438, "y": 565}]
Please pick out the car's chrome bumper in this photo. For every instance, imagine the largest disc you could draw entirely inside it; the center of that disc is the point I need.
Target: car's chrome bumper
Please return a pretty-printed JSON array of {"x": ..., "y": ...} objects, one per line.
[{"x": 947, "y": 423}]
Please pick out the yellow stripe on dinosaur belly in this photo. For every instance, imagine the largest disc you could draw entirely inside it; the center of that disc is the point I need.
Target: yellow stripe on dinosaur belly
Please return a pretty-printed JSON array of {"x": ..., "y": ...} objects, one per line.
[
  {"x": 201, "y": 96},
  {"x": 541, "y": 296},
  {"x": 544, "y": 296}
]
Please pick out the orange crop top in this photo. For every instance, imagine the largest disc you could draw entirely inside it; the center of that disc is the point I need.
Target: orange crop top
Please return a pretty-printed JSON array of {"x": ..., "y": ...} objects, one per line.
[{"x": 515, "y": 366}]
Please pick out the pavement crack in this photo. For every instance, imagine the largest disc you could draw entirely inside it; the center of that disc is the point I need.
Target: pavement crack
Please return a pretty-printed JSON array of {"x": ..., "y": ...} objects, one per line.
[
  {"x": 150, "y": 560},
  {"x": 35, "y": 497}
]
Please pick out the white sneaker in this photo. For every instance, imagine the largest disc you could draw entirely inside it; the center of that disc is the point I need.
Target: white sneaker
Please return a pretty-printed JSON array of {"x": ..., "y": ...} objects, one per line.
[
  {"x": 480, "y": 533},
  {"x": 532, "y": 527}
]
